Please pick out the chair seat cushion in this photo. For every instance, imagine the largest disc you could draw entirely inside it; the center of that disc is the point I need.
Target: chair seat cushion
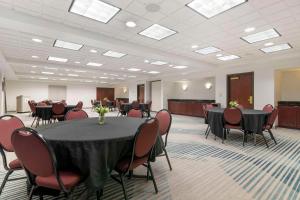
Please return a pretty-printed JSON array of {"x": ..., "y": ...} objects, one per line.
[
  {"x": 69, "y": 180},
  {"x": 15, "y": 164},
  {"x": 123, "y": 164},
  {"x": 266, "y": 127},
  {"x": 230, "y": 126},
  {"x": 58, "y": 116}
]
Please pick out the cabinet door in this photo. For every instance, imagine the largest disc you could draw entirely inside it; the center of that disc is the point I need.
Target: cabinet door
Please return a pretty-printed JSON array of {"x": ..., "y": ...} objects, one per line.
[
  {"x": 287, "y": 116},
  {"x": 298, "y": 117}
]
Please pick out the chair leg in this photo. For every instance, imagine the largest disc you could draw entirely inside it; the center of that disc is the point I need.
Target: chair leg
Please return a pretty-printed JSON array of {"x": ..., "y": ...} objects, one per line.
[
  {"x": 165, "y": 151},
  {"x": 123, "y": 187},
  {"x": 5, "y": 180},
  {"x": 208, "y": 131},
  {"x": 41, "y": 197},
  {"x": 272, "y": 136},
  {"x": 99, "y": 194},
  {"x": 244, "y": 138},
  {"x": 265, "y": 140},
  {"x": 152, "y": 176},
  {"x": 31, "y": 193},
  {"x": 33, "y": 121}
]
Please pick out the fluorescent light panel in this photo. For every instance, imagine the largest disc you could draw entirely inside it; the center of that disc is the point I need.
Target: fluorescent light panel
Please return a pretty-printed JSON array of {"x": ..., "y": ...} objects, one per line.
[
  {"x": 180, "y": 67},
  {"x": 230, "y": 57},
  {"x": 158, "y": 63},
  {"x": 52, "y": 58},
  {"x": 157, "y": 32},
  {"x": 50, "y": 73},
  {"x": 208, "y": 50},
  {"x": 134, "y": 69},
  {"x": 94, "y": 9},
  {"x": 94, "y": 64},
  {"x": 260, "y": 36},
  {"x": 67, "y": 45},
  {"x": 275, "y": 48},
  {"x": 211, "y": 8},
  {"x": 114, "y": 54},
  {"x": 153, "y": 72}
]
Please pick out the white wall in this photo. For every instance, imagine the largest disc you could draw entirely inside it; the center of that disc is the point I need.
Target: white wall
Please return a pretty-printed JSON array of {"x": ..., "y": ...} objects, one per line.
[
  {"x": 38, "y": 91},
  {"x": 1, "y": 95},
  {"x": 264, "y": 78},
  {"x": 156, "y": 95}
]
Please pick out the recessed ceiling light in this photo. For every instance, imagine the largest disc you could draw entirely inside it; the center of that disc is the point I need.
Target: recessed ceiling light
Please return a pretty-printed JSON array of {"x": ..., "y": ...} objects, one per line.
[
  {"x": 134, "y": 69},
  {"x": 249, "y": 29},
  {"x": 103, "y": 77},
  {"x": 194, "y": 46},
  {"x": 210, "y": 8},
  {"x": 131, "y": 76},
  {"x": 88, "y": 81},
  {"x": 34, "y": 57},
  {"x": 79, "y": 71},
  {"x": 51, "y": 68},
  {"x": 73, "y": 75},
  {"x": 208, "y": 50},
  {"x": 171, "y": 65},
  {"x": 122, "y": 68},
  {"x": 230, "y": 57},
  {"x": 275, "y": 48},
  {"x": 120, "y": 78},
  {"x": 43, "y": 78},
  {"x": 269, "y": 44},
  {"x": 94, "y": 9},
  {"x": 146, "y": 61},
  {"x": 144, "y": 71},
  {"x": 77, "y": 62},
  {"x": 180, "y": 67},
  {"x": 157, "y": 32},
  {"x": 51, "y": 58},
  {"x": 67, "y": 45},
  {"x": 37, "y": 40},
  {"x": 33, "y": 66},
  {"x": 219, "y": 55},
  {"x": 103, "y": 82},
  {"x": 47, "y": 73},
  {"x": 63, "y": 79},
  {"x": 94, "y": 64},
  {"x": 114, "y": 54},
  {"x": 33, "y": 72},
  {"x": 158, "y": 63},
  {"x": 67, "y": 70},
  {"x": 153, "y": 72},
  {"x": 260, "y": 36},
  {"x": 130, "y": 24},
  {"x": 93, "y": 51}
]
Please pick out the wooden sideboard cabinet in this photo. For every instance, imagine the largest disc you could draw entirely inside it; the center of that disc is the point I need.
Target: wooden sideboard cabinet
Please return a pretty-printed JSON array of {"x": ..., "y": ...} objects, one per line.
[
  {"x": 289, "y": 114},
  {"x": 188, "y": 107}
]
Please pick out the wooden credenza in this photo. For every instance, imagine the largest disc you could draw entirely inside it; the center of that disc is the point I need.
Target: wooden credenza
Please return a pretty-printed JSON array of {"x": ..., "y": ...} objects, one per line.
[
  {"x": 289, "y": 114},
  {"x": 188, "y": 107}
]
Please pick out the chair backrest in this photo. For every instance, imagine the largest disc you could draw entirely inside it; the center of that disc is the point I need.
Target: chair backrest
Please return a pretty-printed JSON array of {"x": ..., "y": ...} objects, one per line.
[
  {"x": 41, "y": 104},
  {"x": 232, "y": 116},
  {"x": 8, "y": 124},
  {"x": 145, "y": 138},
  {"x": 268, "y": 108},
  {"x": 149, "y": 103},
  {"x": 32, "y": 106},
  {"x": 76, "y": 114},
  {"x": 135, "y": 113},
  {"x": 271, "y": 118},
  {"x": 165, "y": 120},
  {"x": 209, "y": 106},
  {"x": 58, "y": 108},
  {"x": 79, "y": 105},
  {"x": 64, "y": 102},
  {"x": 135, "y": 105},
  {"x": 240, "y": 107},
  {"x": 33, "y": 152}
]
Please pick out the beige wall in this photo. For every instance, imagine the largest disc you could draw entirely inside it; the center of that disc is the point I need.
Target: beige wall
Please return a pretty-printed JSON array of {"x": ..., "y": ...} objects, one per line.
[
  {"x": 289, "y": 86},
  {"x": 119, "y": 92}
]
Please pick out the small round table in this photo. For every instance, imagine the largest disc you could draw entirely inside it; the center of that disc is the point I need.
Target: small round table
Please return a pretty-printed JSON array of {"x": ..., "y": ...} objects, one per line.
[{"x": 252, "y": 120}]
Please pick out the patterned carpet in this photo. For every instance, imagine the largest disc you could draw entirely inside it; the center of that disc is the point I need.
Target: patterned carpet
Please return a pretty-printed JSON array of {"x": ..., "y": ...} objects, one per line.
[{"x": 208, "y": 169}]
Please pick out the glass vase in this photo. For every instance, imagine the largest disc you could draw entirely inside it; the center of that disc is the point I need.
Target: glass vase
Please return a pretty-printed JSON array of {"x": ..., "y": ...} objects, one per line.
[{"x": 101, "y": 119}]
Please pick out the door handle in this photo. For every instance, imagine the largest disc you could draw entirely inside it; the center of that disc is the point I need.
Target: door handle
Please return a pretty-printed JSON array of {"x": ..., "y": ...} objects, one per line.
[{"x": 250, "y": 100}]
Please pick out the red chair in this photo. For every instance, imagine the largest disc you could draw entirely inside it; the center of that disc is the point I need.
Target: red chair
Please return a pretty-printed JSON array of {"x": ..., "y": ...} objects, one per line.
[
  {"x": 232, "y": 120},
  {"x": 268, "y": 108},
  {"x": 206, "y": 108},
  {"x": 143, "y": 144},
  {"x": 241, "y": 107},
  {"x": 58, "y": 111},
  {"x": 64, "y": 102},
  {"x": 165, "y": 120},
  {"x": 135, "y": 113},
  {"x": 40, "y": 163},
  {"x": 135, "y": 105},
  {"x": 76, "y": 114},
  {"x": 41, "y": 104},
  {"x": 79, "y": 105},
  {"x": 269, "y": 125},
  {"x": 8, "y": 124},
  {"x": 148, "y": 107},
  {"x": 120, "y": 108}
]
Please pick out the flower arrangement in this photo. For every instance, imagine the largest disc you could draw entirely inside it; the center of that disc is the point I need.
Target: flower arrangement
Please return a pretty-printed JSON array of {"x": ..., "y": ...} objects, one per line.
[
  {"x": 233, "y": 104},
  {"x": 101, "y": 110}
]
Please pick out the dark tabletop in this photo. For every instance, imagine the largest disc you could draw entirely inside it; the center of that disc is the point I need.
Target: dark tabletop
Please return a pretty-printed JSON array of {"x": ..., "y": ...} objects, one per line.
[
  {"x": 252, "y": 121},
  {"x": 90, "y": 148},
  {"x": 45, "y": 112},
  {"x": 126, "y": 107}
]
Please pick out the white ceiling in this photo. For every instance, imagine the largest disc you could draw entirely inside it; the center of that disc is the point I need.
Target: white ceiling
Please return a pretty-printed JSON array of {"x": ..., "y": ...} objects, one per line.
[{"x": 22, "y": 20}]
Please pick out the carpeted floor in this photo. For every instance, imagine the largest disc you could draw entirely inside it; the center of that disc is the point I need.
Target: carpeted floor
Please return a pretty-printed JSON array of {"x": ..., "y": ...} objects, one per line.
[{"x": 207, "y": 169}]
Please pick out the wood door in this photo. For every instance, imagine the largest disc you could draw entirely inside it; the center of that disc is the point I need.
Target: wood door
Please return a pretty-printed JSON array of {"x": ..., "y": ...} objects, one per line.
[
  {"x": 105, "y": 93},
  {"x": 141, "y": 93},
  {"x": 240, "y": 88}
]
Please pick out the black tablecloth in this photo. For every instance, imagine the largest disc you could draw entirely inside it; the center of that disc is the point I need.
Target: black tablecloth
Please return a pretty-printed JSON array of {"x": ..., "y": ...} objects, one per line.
[
  {"x": 126, "y": 107},
  {"x": 252, "y": 121},
  {"x": 90, "y": 148},
  {"x": 45, "y": 112}
]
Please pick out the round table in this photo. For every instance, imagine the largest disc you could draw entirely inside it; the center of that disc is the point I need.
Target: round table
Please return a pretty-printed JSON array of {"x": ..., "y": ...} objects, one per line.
[
  {"x": 252, "y": 120},
  {"x": 90, "y": 148},
  {"x": 45, "y": 112},
  {"x": 126, "y": 107}
]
